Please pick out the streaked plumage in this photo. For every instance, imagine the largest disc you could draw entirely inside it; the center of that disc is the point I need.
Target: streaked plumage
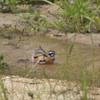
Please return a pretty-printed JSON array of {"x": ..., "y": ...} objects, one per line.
[{"x": 42, "y": 57}]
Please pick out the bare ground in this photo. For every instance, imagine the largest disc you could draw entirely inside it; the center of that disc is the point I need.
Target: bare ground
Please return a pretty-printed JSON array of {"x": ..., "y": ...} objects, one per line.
[{"x": 18, "y": 88}]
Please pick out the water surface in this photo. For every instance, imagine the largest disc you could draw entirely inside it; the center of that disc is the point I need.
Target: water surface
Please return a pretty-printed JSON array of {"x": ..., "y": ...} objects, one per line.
[{"x": 70, "y": 65}]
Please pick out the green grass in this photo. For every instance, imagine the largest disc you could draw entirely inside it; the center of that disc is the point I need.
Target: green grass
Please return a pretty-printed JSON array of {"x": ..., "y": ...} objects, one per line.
[
  {"x": 70, "y": 75},
  {"x": 77, "y": 17},
  {"x": 75, "y": 69}
]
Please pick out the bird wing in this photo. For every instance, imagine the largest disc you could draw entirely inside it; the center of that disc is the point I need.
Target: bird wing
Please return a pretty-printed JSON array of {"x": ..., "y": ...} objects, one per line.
[{"x": 38, "y": 52}]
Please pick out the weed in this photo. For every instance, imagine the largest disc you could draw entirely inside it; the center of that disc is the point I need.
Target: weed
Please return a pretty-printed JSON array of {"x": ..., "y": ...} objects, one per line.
[
  {"x": 9, "y": 6},
  {"x": 3, "y": 91},
  {"x": 2, "y": 64},
  {"x": 97, "y": 23},
  {"x": 36, "y": 21},
  {"x": 74, "y": 17}
]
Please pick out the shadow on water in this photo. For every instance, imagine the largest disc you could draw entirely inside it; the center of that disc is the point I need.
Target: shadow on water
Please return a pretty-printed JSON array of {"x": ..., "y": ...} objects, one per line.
[{"x": 81, "y": 58}]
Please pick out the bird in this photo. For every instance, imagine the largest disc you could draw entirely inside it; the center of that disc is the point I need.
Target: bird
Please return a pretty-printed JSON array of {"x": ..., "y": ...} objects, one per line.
[{"x": 42, "y": 57}]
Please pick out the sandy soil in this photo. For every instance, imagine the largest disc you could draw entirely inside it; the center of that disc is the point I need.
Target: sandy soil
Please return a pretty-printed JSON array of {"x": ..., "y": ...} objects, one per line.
[
  {"x": 18, "y": 88},
  {"x": 27, "y": 89},
  {"x": 14, "y": 19}
]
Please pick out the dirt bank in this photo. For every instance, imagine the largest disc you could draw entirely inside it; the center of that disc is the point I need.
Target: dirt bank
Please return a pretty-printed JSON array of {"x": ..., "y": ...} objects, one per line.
[{"x": 18, "y": 88}]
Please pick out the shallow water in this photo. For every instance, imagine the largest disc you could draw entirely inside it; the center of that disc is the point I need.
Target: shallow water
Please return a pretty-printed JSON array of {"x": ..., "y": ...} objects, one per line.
[{"x": 67, "y": 67}]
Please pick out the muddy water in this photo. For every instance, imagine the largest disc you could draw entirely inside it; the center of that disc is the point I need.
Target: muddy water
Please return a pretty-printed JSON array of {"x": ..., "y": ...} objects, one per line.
[{"x": 65, "y": 67}]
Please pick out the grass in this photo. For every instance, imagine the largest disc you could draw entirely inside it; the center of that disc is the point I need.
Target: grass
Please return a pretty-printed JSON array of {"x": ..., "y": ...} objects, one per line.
[
  {"x": 68, "y": 70},
  {"x": 74, "y": 71},
  {"x": 76, "y": 16}
]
